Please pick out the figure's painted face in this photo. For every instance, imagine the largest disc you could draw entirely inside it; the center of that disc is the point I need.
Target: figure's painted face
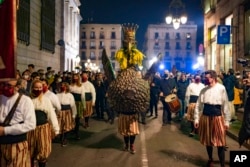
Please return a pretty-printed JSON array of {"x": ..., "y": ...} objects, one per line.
[{"x": 129, "y": 43}]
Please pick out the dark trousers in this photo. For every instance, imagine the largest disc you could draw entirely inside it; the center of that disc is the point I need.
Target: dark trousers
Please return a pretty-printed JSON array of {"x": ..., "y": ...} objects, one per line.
[
  {"x": 153, "y": 106},
  {"x": 166, "y": 117},
  {"x": 77, "y": 125},
  {"x": 99, "y": 107}
]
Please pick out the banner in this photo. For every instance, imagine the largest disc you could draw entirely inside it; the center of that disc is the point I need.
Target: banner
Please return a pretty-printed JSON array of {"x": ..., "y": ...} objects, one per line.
[{"x": 7, "y": 39}]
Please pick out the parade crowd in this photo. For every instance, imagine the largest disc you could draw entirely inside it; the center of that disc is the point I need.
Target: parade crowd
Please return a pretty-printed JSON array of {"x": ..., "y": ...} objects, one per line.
[{"x": 64, "y": 101}]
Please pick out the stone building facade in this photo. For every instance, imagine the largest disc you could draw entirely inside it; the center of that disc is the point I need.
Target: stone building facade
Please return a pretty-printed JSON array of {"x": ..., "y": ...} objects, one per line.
[
  {"x": 48, "y": 34},
  {"x": 94, "y": 38},
  {"x": 178, "y": 47},
  {"x": 235, "y": 14}
]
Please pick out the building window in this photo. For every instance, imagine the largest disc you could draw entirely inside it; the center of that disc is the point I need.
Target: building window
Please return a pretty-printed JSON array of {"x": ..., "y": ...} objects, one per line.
[
  {"x": 83, "y": 45},
  {"x": 92, "y": 44},
  {"x": 23, "y": 22},
  {"x": 156, "y": 35},
  {"x": 167, "y": 46},
  {"x": 102, "y": 35},
  {"x": 178, "y": 65},
  {"x": 92, "y": 35},
  {"x": 113, "y": 36},
  {"x": 48, "y": 25},
  {"x": 178, "y": 36},
  {"x": 83, "y": 57},
  {"x": 113, "y": 46},
  {"x": 177, "y": 46},
  {"x": 101, "y": 46},
  {"x": 112, "y": 56},
  {"x": 83, "y": 36},
  {"x": 188, "y": 46},
  {"x": 167, "y": 36},
  {"x": 167, "y": 56},
  {"x": 188, "y": 36},
  {"x": 156, "y": 45},
  {"x": 92, "y": 55}
]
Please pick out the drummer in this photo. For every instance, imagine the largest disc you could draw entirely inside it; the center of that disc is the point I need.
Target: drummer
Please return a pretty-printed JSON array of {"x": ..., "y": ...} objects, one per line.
[{"x": 167, "y": 86}]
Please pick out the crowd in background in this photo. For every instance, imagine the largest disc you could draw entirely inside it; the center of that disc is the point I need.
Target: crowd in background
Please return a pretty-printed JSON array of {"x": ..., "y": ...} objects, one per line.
[{"x": 77, "y": 96}]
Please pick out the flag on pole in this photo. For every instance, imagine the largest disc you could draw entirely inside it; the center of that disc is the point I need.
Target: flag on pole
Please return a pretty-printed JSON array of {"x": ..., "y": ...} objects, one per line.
[{"x": 7, "y": 39}]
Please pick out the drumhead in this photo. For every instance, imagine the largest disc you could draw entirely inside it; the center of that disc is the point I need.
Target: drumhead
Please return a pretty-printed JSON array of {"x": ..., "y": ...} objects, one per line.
[{"x": 170, "y": 98}]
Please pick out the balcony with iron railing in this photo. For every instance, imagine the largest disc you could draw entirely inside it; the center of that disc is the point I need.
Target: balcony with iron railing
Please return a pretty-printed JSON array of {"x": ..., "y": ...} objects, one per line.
[
  {"x": 112, "y": 47},
  {"x": 92, "y": 47}
]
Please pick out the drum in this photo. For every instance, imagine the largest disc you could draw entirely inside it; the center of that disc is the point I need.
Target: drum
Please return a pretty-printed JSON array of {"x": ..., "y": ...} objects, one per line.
[{"x": 173, "y": 103}]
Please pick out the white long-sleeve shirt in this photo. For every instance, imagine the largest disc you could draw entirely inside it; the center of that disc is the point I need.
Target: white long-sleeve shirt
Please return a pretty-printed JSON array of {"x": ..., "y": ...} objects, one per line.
[
  {"x": 89, "y": 88},
  {"x": 68, "y": 99},
  {"x": 54, "y": 100},
  {"x": 193, "y": 89},
  {"x": 215, "y": 95},
  {"x": 79, "y": 90},
  {"x": 44, "y": 104},
  {"x": 25, "y": 112}
]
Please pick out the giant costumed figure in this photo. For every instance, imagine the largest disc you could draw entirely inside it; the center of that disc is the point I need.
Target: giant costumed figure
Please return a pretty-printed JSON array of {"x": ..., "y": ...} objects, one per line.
[{"x": 128, "y": 94}]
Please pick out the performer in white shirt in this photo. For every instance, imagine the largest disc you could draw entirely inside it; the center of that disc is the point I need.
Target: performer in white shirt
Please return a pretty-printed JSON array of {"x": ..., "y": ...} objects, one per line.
[
  {"x": 68, "y": 112},
  {"x": 78, "y": 92},
  {"x": 40, "y": 140},
  {"x": 13, "y": 136},
  {"x": 212, "y": 116},
  {"x": 52, "y": 96},
  {"x": 90, "y": 97},
  {"x": 192, "y": 94}
]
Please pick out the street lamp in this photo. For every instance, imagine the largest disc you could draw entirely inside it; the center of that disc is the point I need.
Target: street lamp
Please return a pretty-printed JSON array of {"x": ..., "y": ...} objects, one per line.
[
  {"x": 89, "y": 66},
  {"x": 176, "y": 14}
]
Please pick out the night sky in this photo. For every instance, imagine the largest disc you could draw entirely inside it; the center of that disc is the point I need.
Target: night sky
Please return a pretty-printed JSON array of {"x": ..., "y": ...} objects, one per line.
[{"x": 141, "y": 12}]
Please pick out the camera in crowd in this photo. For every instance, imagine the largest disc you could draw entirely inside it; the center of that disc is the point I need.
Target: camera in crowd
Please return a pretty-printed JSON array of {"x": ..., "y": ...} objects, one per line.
[{"x": 243, "y": 62}]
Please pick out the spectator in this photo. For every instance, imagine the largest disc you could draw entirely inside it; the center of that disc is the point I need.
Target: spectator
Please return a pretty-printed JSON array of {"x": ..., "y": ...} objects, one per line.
[
  {"x": 229, "y": 82},
  {"x": 31, "y": 68}
]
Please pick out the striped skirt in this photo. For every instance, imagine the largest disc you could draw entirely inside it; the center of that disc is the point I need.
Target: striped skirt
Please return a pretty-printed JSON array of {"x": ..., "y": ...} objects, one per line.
[
  {"x": 65, "y": 121},
  {"x": 40, "y": 142},
  {"x": 190, "y": 112},
  {"x": 211, "y": 131},
  {"x": 128, "y": 125},
  {"x": 89, "y": 109},
  {"x": 15, "y": 155}
]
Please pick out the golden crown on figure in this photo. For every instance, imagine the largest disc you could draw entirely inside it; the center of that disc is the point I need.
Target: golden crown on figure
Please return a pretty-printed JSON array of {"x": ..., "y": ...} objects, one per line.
[
  {"x": 128, "y": 55},
  {"x": 129, "y": 30}
]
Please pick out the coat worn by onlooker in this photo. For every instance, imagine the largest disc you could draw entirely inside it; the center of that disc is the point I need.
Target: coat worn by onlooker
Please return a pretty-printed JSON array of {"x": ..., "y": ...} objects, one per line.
[
  {"x": 182, "y": 85},
  {"x": 154, "y": 98},
  {"x": 229, "y": 82},
  {"x": 166, "y": 87}
]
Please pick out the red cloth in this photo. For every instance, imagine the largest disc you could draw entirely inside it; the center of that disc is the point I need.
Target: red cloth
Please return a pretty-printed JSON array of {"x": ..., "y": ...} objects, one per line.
[{"x": 7, "y": 39}]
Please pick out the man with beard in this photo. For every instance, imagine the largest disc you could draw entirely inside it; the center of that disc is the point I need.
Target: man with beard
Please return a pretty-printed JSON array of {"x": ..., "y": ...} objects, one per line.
[{"x": 212, "y": 116}]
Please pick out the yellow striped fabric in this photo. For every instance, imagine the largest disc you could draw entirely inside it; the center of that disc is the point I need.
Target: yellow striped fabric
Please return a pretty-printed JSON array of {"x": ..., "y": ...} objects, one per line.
[
  {"x": 128, "y": 125},
  {"x": 211, "y": 131},
  {"x": 65, "y": 121},
  {"x": 89, "y": 109},
  {"x": 15, "y": 155},
  {"x": 40, "y": 142},
  {"x": 190, "y": 112}
]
